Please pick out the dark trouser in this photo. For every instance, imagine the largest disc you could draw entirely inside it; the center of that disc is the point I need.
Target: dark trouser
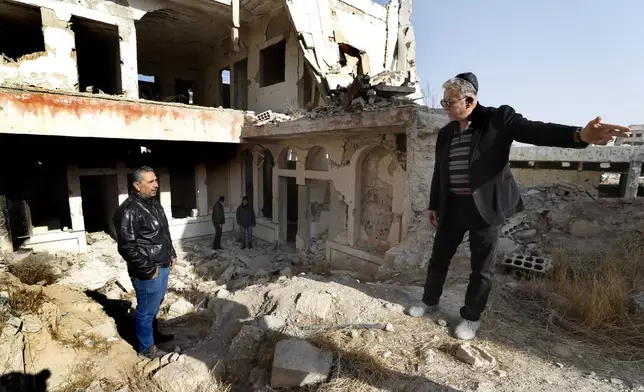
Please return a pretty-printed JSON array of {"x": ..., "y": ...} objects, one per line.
[
  {"x": 216, "y": 245},
  {"x": 246, "y": 232},
  {"x": 460, "y": 216}
]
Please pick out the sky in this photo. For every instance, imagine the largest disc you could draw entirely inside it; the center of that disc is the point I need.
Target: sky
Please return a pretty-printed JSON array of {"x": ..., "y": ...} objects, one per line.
[{"x": 563, "y": 61}]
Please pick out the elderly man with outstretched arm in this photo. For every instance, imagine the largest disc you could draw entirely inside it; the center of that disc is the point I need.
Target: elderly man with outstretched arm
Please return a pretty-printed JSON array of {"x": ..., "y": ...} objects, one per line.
[{"x": 473, "y": 189}]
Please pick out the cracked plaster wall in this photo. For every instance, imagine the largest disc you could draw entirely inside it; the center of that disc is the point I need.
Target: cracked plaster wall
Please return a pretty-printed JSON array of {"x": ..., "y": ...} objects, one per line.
[
  {"x": 382, "y": 180},
  {"x": 346, "y": 159}
]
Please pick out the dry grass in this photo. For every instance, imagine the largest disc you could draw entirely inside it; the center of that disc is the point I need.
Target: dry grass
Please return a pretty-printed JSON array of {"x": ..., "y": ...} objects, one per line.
[
  {"x": 84, "y": 341},
  {"x": 25, "y": 301},
  {"x": 84, "y": 374},
  {"x": 34, "y": 269},
  {"x": 361, "y": 364},
  {"x": 586, "y": 296},
  {"x": 81, "y": 377}
]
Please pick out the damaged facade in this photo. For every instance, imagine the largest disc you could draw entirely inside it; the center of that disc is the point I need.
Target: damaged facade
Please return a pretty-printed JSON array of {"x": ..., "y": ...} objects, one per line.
[
  {"x": 95, "y": 88},
  {"x": 310, "y": 111}
]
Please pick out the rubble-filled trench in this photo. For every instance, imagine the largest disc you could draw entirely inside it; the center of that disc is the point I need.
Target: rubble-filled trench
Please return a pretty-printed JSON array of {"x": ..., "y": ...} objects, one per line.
[{"x": 270, "y": 318}]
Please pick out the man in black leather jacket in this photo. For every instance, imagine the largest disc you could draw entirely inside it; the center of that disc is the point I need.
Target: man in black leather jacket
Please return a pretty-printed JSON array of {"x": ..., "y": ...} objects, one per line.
[
  {"x": 473, "y": 189},
  {"x": 145, "y": 244}
]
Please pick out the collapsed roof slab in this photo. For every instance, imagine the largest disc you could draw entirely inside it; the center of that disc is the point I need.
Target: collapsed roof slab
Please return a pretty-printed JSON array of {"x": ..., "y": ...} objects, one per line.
[
  {"x": 32, "y": 112},
  {"x": 389, "y": 120}
]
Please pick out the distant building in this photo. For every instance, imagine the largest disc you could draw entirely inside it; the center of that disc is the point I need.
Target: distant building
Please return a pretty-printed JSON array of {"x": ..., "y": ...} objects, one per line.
[{"x": 636, "y": 139}]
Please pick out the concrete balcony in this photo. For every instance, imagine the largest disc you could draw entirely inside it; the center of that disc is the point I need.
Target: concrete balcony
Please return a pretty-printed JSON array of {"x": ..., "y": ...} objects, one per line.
[{"x": 35, "y": 112}]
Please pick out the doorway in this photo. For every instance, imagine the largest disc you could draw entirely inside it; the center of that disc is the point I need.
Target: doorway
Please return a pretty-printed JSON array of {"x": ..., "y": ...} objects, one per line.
[
  {"x": 288, "y": 197},
  {"x": 100, "y": 201}
]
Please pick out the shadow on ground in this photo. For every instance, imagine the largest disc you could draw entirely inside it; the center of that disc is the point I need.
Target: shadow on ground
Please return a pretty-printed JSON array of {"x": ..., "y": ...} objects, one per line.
[{"x": 21, "y": 382}]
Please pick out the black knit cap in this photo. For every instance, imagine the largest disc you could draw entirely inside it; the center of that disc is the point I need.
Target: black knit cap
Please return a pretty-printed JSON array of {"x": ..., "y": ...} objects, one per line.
[{"x": 470, "y": 77}]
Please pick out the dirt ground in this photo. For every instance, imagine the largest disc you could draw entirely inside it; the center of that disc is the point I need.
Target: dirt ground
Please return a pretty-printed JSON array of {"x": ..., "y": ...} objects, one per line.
[{"x": 230, "y": 291}]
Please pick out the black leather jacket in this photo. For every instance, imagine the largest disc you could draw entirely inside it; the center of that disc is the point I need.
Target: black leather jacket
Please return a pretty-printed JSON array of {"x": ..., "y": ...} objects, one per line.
[{"x": 143, "y": 236}]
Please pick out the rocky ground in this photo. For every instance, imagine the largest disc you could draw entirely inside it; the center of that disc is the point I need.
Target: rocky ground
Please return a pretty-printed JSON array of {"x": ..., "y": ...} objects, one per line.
[{"x": 270, "y": 318}]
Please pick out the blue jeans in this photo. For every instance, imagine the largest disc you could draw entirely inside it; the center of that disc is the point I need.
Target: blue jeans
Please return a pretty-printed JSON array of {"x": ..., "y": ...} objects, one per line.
[
  {"x": 246, "y": 231},
  {"x": 149, "y": 296}
]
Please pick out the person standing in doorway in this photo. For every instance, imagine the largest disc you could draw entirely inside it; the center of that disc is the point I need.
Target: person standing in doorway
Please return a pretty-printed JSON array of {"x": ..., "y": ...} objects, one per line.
[
  {"x": 246, "y": 222},
  {"x": 473, "y": 189},
  {"x": 144, "y": 242},
  {"x": 218, "y": 219}
]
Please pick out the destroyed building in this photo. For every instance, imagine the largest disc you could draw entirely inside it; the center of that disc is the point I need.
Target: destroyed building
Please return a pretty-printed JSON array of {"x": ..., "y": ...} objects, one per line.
[{"x": 310, "y": 111}]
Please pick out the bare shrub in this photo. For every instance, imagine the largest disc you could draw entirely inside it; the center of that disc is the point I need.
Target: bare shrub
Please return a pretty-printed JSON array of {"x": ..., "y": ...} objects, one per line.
[{"x": 34, "y": 269}]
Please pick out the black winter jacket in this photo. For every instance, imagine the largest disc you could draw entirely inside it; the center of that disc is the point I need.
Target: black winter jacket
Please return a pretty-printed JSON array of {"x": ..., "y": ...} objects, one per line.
[
  {"x": 218, "y": 215},
  {"x": 245, "y": 215},
  {"x": 143, "y": 236},
  {"x": 494, "y": 189}
]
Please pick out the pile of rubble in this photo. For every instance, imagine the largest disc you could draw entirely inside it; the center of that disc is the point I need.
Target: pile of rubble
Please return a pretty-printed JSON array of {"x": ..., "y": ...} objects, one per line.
[{"x": 385, "y": 90}]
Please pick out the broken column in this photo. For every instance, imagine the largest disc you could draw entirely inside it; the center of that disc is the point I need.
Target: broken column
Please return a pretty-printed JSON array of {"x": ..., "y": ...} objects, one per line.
[
  {"x": 164, "y": 188},
  {"x": 129, "y": 60},
  {"x": 303, "y": 213},
  {"x": 75, "y": 199},
  {"x": 631, "y": 184},
  {"x": 201, "y": 184}
]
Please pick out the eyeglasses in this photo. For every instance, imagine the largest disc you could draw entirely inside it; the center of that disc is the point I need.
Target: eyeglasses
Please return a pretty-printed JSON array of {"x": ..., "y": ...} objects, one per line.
[{"x": 446, "y": 104}]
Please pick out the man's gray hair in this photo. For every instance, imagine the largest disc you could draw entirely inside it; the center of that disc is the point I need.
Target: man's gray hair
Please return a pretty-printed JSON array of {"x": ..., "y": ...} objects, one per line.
[
  {"x": 138, "y": 173},
  {"x": 463, "y": 86}
]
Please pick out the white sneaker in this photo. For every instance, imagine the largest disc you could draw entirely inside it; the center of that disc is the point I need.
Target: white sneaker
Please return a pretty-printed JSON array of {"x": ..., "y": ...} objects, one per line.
[
  {"x": 466, "y": 329},
  {"x": 419, "y": 309}
]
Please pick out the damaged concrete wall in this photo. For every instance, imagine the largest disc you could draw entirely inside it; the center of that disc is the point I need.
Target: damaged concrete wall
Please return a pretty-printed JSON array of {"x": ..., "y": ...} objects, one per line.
[
  {"x": 55, "y": 68},
  {"x": 341, "y": 39},
  {"x": 381, "y": 177},
  {"x": 218, "y": 184},
  {"x": 165, "y": 76},
  {"x": 88, "y": 116},
  {"x": 334, "y": 198},
  {"x": 260, "y": 35}
]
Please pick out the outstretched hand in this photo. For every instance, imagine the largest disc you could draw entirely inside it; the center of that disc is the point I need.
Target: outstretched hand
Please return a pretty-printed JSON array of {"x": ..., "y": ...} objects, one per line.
[{"x": 597, "y": 132}]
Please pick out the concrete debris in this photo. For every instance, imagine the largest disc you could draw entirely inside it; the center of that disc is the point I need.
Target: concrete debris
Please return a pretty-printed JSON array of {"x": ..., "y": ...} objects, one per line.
[
  {"x": 256, "y": 263},
  {"x": 314, "y": 304},
  {"x": 583, "y": 228},
  {"x": 271, "y": 323},
  {"x": 105, "y": 331},
  {"x": 270, "y": 117},
  {"x": 190, "y": 375},
  {"x": 475, "y": 356},
  {"x": 507, "y": 246},
  {"x": 180, "y": 308},
  {"x": 298, "y": 363},
  {"x": 31, "y": 324},
  {"x": 527, "y": 262},
  {"x": 243, "y": 350},
  {"x": 361, "y": 94}
]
